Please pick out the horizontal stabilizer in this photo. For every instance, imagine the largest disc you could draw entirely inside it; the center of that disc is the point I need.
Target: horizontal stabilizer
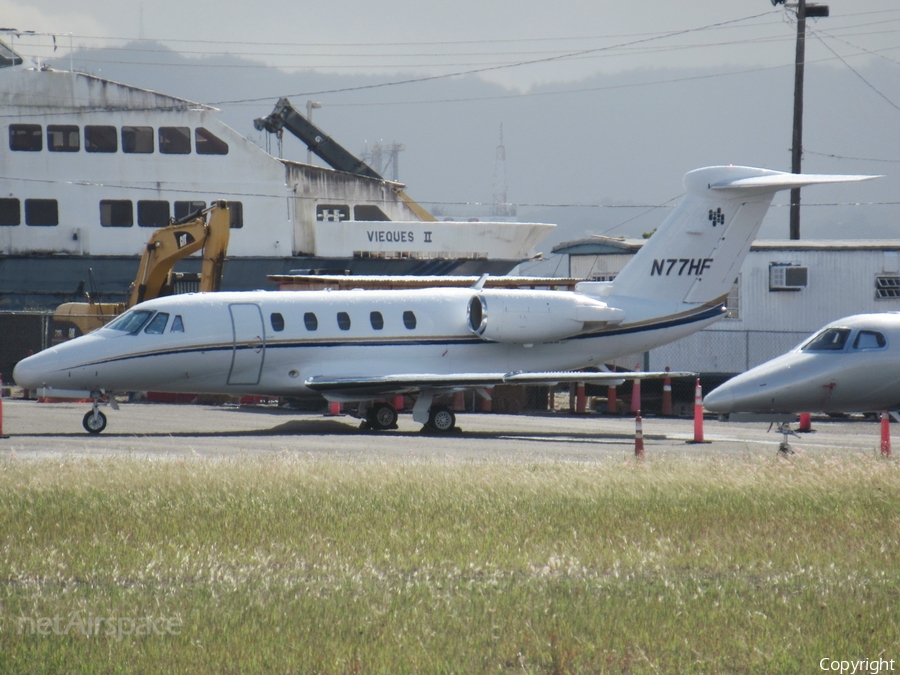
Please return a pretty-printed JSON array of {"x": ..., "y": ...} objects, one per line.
[
  {"x": 786, "y": 181},
  {"x": 696, "y": 254}
]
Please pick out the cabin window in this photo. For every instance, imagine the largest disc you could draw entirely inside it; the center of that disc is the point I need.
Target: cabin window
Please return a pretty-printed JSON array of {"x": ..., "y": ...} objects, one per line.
[
  {"x": 368, "y": 212},
  {"x": 332, "y": 213},
  {"x": 10, "y": 211},
  {"x": 157, "y": 325},
  {"x": 63, "y": 138},
  {"x": 137, "y": 139},
  {"x": 177, "y": 324},
  {"x": 869, "y": 339},
  {"x": 409, "y": 319},
  {"x": 116, "y": 213},
  {"x": 207, "y": 143},
  {"x": 100, "y": 138},
  {"x": 343, "y": 320},
  {"x": 175, "y": 140},
  {"x": 828, "y": 340},
  {"x": 376, "y": 320},
  {"x": 41, "y": 212},
  {"x": 26, "y": 137},
  {"x": 185, "y": 209},
  {"x": 131, "y": 321},
  {"x": 277, "y": 322},
  {"x": 152, "y": 213},
  {"x": 310, "y": 321}
]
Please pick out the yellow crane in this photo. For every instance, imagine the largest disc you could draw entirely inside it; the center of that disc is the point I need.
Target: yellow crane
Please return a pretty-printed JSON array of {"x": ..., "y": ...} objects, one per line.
[{"x": 208, "y": 230}]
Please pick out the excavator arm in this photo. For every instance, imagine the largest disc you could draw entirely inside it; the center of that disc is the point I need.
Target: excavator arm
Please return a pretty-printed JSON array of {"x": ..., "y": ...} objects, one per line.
[
  {"x": 173, "y": 243},
  {"x": 285, "y": 116},
  {"x": 208, "y": 229}
]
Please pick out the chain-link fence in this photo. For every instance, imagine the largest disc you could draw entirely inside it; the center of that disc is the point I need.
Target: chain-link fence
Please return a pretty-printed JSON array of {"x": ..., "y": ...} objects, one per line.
[{"x": 21, "y": 334}]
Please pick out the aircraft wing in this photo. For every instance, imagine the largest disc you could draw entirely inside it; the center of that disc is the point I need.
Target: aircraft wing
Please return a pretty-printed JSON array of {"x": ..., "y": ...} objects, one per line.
[{"x": 406, "y": 383}]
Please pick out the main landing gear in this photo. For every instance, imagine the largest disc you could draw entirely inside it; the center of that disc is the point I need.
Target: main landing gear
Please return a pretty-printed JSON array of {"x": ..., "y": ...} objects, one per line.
[
  {"x": 381, "y": 416},
  {"x": 440, "y": 419},
  {"x": 94, "y": 421}
]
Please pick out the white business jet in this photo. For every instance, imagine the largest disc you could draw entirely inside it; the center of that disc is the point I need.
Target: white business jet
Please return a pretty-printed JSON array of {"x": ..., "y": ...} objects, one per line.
[
  {"x": 368, "y": 345},
  {"x": 850, "y": 365}
]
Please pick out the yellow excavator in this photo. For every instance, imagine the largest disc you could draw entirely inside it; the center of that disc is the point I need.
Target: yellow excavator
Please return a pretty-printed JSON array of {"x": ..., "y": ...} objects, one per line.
[{"x": 208, "y": 229}]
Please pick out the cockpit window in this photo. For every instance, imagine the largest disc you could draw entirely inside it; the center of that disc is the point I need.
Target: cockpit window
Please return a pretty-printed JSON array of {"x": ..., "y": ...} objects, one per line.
[
  {"x": 131, "y": 322},
  {"x": 177, "y": 324},
  {"x": 869, "y": 339},
  {"x": 157, "y": 325},
  {"x": 828, "y": 340}
]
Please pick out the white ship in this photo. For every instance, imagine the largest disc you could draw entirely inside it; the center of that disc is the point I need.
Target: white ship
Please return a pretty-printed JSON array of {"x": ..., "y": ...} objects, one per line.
[{"x": 92, "y": 167}]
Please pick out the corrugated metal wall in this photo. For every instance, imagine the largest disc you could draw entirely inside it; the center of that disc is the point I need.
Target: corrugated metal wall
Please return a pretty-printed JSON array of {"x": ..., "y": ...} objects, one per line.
[{"x": 840, "y": 282}]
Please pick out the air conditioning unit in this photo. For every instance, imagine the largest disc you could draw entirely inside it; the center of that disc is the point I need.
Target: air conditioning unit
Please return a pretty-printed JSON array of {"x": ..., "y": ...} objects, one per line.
[{"x": 787, "y": 277}]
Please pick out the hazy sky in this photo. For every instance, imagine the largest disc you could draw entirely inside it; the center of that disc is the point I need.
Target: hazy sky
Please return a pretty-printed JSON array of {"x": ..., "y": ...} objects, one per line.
[{"x": 515, "y": 43}]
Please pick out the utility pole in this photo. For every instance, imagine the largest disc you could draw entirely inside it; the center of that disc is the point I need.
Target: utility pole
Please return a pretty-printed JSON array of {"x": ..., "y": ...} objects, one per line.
[{"x": 803, "y": 10}]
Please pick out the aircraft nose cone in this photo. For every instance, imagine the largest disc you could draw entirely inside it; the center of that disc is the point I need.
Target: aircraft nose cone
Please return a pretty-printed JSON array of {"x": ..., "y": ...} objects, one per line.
[
  {"x": 34, "y": 371},
  {"x": 719, "y": 400}
]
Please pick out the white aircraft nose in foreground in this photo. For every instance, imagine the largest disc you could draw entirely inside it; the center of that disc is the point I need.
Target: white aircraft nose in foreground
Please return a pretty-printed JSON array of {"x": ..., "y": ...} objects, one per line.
[
  {"x": 850, "y": 365},
  {"x": 368, "y": 345}
]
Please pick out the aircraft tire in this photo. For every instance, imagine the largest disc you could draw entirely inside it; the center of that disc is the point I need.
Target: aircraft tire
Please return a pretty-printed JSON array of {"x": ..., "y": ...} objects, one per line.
[
  {"x": 442, "y": 419},
  {"x": 93, "y": 422},
  {"x": 382, "y": 416}
]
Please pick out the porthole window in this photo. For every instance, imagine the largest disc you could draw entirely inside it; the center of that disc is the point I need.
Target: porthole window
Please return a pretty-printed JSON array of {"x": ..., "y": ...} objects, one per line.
[
  {"x": 10, "y": 211},
  {"x": 43, "y": 212},
  {"x": 175, "y": 140},
  {"x": 185, "y": 209},
  {"x": 100, "y": 138},
  {"x": 310, "y": 321},
  {"x": 207, "y": 143},
  {"x": 26, "y": 137},
  {"x": 137, "y": 139},
  {"x": 277, "y": 322},
  {"x": 153, "y": 213},
  {"x": 343, "y": 320},
  {"x": 63, "y": 138},
  {"x": 236, "y": 215},
  {"x": 116, "y": 213},
  {"x": 377, "y": 320},
  {"x": 409, "y": 319}
]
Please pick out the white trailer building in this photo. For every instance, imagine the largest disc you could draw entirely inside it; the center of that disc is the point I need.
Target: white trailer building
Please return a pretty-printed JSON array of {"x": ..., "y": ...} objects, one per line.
[{"x": 785, "y": 291}]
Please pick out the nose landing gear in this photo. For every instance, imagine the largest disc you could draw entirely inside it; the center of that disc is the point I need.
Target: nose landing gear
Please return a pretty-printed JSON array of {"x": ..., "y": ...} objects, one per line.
[{"x": 94, "y": 421}]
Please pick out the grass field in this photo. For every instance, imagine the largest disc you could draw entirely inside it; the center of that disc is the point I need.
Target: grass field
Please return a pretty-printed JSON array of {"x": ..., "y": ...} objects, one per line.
[{"x": 297, "y": 565}]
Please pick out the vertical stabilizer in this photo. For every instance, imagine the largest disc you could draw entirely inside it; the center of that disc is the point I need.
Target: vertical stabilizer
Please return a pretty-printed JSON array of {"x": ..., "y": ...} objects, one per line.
[{"x": 697, "y": 252}]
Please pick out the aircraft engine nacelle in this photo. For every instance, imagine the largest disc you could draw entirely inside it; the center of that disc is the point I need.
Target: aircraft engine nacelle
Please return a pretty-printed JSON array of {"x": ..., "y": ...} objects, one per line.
[{"x": 528, "y": 317}]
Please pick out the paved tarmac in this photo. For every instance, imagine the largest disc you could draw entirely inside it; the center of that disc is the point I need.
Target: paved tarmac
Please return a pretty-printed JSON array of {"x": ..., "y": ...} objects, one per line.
[{"x": 154, "y": 430}]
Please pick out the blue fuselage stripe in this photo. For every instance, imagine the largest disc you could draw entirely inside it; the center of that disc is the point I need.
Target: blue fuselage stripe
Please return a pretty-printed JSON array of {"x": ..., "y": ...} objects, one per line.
[{"x": 704, "y": 315}]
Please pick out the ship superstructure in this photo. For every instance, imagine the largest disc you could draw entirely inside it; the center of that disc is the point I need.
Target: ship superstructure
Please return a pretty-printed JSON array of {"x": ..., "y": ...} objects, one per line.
[{"x": 92, "y": 167}]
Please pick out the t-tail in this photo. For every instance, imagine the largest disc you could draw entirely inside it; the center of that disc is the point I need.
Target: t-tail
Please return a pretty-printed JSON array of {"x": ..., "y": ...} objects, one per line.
[{"x": 696, "y": 254}]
